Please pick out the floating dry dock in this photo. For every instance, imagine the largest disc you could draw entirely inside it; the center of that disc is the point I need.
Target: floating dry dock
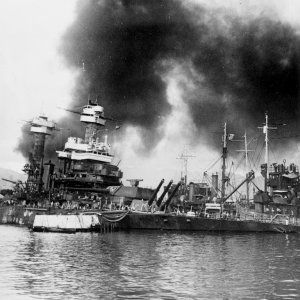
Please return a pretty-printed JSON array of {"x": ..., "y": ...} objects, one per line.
[{"x": 71, "y": 223}]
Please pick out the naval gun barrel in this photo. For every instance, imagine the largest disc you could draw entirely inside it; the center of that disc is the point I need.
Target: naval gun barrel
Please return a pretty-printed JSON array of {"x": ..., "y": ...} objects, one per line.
[
  {"x": 150, "y": 201},
  {"x": 8, "y": 180},
  {"x": 160, "y": 199},
  {"x": 168, "y": 201}
]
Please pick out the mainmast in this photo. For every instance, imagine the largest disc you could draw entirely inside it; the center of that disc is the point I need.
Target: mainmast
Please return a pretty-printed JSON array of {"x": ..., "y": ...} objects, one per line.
[
  {"x": 246, "y": 165},
  {"x": 266, "y": 129},
  {"x": 224, "y": 156},
  {"x": 246, "y": 150},
  {"x": 93, "y": 116}
]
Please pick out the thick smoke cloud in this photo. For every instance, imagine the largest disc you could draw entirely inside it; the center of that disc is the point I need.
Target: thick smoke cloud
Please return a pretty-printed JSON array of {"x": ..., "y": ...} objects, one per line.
[
  {"x": 123, "y": 45},
  {"x": 240, "y": 67},
  {"x": 246, "y": 67},
  {"x": 251, "y": 68}
]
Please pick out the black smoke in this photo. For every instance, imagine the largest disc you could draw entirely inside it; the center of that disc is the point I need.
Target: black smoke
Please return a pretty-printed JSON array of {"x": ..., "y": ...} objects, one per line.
[
  {"x": 123, "y": 45},
  {"x": 240, "y": 67}
]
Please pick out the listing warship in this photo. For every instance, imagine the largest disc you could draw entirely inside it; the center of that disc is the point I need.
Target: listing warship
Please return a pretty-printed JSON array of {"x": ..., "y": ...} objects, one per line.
[
  {"x": 86, "y": 192},
  {"x": 85, "y": 180}
]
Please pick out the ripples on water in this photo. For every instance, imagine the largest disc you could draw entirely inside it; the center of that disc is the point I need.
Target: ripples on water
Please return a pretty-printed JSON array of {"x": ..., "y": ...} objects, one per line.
[{"x": 148, "y": 265}]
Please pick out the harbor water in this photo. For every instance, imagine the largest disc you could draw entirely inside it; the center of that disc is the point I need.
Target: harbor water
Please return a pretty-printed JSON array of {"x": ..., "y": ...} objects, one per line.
[{"x": 148, "y": 265}]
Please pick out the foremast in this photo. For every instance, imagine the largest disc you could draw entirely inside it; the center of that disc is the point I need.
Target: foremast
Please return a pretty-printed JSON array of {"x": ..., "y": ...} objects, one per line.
[
  {"x": 224, "y": 157},
  {"x": 266, "y": 129},
  {"x": 40, "y": 128}
]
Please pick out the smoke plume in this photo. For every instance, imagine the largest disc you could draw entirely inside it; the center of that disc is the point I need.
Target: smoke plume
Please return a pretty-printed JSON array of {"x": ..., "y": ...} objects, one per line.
[{"x": 239, "y": 67}]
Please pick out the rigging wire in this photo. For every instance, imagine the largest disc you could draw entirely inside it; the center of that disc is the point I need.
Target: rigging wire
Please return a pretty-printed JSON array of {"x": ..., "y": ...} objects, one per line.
[
  {"x": 240, "y": 161},
  {"x": 231, "y": 167},
  {"x": 234, "y": 188},
  {"x": 273, "y": 154},
  {"x": 258, "y": 158},
  {"x": 213, "y": 164},
  {"x": 257, "y": 151}
]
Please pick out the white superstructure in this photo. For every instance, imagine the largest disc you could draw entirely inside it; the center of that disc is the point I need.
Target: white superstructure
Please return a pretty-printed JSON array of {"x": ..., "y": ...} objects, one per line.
[
  {"x": 90, "y": 148},
  {"x": 93, "y": 114},
  {"x": 42, "y": 125},
  {"x": 77, "y": 149}
]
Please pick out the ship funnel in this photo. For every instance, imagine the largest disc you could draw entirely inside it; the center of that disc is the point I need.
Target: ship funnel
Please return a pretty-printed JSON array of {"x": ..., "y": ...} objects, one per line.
[
  {"x": 160, "y": 199},
  {"x": 215, "y": 186},
  {"x": 168, "y": 201},
  {"x": 150, "y": 201}
]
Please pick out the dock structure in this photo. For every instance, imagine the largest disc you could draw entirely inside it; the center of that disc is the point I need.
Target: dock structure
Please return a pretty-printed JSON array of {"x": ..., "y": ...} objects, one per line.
[{"x": 71, "y": 223}]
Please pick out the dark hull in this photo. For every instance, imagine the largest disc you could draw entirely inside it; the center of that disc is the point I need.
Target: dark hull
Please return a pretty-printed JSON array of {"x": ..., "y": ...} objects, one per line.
[
  {"x": 49, "y": 229},
  {"x": 184, "y": 223},
  {"x": 18, "y": 215}
]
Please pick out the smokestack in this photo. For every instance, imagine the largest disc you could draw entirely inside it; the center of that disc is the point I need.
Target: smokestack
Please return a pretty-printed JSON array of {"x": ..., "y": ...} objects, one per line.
[
  {"x": 215, "y": 184},
  {"x": 191, "y": 191}
]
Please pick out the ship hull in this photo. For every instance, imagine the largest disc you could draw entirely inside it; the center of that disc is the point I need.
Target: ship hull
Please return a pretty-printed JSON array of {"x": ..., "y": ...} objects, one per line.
[
  {"x": 24, "y": 216},
  {"x": 18, "y": 215},
  {"x": 151, "y": 221}
]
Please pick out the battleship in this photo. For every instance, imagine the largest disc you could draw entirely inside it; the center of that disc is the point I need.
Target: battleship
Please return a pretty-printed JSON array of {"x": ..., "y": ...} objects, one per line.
[
  {"x": 86, "y": 179},
  {"x": 85, "y": 192}
]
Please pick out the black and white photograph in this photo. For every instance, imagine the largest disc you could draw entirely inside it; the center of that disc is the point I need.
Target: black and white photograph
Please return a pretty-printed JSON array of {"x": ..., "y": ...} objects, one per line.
[{"x": 149, "y": 149}]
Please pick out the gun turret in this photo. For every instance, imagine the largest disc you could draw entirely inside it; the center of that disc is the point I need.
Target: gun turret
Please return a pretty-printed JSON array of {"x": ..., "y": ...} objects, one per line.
[
  {"x": 168, "y": 201},
  {"x": 160, "y": 199},
  {"x": 150, "y": 201}
]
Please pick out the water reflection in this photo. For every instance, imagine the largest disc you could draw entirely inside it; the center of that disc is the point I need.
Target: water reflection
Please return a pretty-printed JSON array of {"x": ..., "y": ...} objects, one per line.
[{"x": 156, "y": 265}]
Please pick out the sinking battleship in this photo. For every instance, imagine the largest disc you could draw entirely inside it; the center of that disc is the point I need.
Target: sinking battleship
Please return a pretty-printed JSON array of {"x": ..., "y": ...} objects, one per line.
[
  {"x": 86, "y": 193},
  {"x": 86, "y": 178}
]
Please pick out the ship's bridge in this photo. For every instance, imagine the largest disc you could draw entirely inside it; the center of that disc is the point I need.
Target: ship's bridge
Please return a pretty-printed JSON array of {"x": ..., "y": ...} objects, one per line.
[
  {"x": 42, "y": 125},
  {"x": 93, "y": 114}
]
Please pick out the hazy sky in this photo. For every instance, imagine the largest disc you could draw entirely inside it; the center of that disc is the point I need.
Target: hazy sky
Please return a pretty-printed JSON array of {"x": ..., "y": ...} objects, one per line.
[{"x": 33, "y": 79}]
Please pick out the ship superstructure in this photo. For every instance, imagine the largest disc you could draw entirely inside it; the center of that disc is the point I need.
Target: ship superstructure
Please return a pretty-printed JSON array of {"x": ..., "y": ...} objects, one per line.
[
  {"x": 88, "y": 163},
  {"x": 40, "y": 128}
]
